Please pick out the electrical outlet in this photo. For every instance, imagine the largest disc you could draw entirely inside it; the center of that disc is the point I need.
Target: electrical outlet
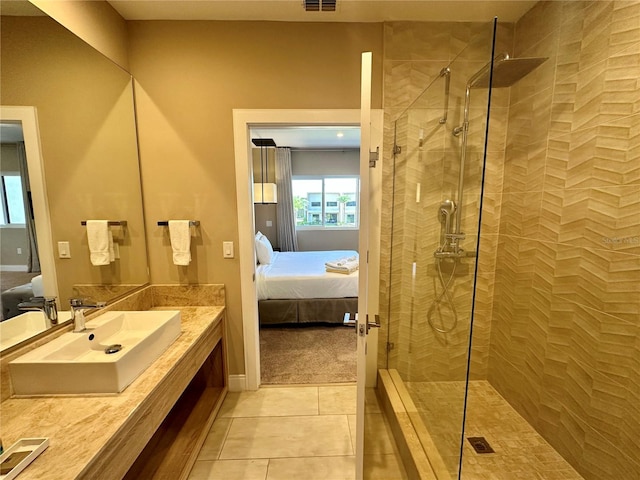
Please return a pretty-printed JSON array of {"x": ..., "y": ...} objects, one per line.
[
  {"x": 269, "y": 223},
  {"x": 19, "y": 251}
]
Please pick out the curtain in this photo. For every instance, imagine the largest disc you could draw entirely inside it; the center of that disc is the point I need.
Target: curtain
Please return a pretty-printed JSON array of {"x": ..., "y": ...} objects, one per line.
[
  {"x": 285, "y": 216},
  {"x": 33, "y": 260}
]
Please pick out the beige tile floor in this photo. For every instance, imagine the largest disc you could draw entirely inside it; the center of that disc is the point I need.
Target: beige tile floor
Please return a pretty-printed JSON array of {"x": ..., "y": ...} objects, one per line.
[
  {"x": 295, "y": 432},
  {"x": 520, "y": 452}
]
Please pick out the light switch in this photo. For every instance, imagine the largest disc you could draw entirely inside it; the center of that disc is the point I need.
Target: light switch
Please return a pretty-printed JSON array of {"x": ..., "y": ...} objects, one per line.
[
  {"x": 227, "y": 249},
  {"x": 63, "y": 250},
  {"x": 269, "y": 223}
]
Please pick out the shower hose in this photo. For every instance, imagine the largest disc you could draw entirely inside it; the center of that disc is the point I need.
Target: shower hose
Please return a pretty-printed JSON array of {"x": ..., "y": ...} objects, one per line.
[{"x": 445, "y": 295}]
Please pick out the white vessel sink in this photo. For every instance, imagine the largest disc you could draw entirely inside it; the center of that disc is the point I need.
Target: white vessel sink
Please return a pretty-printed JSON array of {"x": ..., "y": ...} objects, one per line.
[
  {"x": 77, "y": 363},
  {"x": 23, "y": 326}
]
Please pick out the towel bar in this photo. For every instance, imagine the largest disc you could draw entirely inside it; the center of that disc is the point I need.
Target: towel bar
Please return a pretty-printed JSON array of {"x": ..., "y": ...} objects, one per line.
[
  {"x": 111, "y": 223},
  {"x": 192, "y": 223}
]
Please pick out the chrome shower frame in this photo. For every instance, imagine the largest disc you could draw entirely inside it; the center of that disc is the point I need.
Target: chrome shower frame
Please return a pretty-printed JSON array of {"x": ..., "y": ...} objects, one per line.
[{"x": 481, "y": 79}]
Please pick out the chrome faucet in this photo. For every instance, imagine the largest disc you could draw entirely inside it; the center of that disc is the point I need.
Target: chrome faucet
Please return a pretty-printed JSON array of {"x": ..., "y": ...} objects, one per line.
[
  {"x": 78, "y": 306},
  {"x": 47, "y": 305}
]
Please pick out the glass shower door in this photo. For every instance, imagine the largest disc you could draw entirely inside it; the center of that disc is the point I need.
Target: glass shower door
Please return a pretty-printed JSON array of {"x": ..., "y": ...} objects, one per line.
[{"x": 439, "y": 157}]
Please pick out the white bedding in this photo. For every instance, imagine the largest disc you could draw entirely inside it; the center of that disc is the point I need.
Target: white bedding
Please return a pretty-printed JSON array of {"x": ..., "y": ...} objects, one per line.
[{"x": 303, "y": 275}]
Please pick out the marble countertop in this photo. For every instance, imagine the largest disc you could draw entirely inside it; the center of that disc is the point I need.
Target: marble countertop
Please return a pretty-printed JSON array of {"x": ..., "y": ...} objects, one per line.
[{"x": 82, "y": 429}]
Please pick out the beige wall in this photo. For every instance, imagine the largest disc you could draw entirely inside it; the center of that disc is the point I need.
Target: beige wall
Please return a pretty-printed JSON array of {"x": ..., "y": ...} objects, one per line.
[
  {"x": 11, "y": 239},
  {"x": 87, "y": 131},
  {"x": 96, "y": 22},
  {"x": 189, "y": 78},
  {"x": 565, "y": 343}
]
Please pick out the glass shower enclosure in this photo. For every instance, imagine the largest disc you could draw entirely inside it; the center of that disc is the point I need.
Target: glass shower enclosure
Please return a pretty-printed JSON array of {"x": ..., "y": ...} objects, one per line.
[{"x": 439, "y": 156}]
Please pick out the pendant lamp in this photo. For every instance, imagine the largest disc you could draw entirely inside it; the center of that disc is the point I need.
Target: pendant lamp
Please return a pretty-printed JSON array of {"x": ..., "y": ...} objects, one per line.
[{"x": 265, "y": 191}]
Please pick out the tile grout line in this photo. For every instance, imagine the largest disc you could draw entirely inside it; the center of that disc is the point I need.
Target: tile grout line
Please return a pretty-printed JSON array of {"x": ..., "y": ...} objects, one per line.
[{"x": 224, "y": 440}]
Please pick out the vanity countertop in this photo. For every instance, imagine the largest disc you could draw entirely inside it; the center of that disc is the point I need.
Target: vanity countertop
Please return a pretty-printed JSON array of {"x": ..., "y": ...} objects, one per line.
[{"x": 88, "y": 433}]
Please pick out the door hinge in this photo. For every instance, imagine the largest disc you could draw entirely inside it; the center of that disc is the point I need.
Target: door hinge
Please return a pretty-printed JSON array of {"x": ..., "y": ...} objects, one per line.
[
  {"x": 390, "y": 346},
  {"x": 397, "y": 149},
  {"x": 374, "y": 157}
]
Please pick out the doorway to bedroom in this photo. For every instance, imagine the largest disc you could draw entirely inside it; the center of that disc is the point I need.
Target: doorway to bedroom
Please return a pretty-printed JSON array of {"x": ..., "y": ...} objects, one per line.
[{"x": 307, "y": 250}]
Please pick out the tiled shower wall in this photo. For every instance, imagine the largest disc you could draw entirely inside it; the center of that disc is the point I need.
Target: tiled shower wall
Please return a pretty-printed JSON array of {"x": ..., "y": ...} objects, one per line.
[
  {"x": 565, "y": 331},
  {"x": 415, "y": 53}
]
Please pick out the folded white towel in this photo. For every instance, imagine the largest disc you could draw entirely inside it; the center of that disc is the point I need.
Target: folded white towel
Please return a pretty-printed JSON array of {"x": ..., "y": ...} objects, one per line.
[
  {"x": 346, "y": 262},
  {"x": 180, "y": 235},
  {"x": 98, "y": 239},
  {"x": 347, "y": 270}
]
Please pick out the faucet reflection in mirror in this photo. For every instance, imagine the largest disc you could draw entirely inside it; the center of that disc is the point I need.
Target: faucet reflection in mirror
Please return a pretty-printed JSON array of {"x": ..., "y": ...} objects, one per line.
[{"x": 46, "y": 305}]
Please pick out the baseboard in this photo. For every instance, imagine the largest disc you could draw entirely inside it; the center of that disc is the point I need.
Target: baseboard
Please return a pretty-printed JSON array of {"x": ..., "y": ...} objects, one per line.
[
  {"x": 14, "y": 268},
  {"x": 237, "y": 383}
]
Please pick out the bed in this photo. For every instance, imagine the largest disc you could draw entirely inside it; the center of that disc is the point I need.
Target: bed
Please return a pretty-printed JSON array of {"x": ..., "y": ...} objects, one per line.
[{"x": 295, "y": 288}]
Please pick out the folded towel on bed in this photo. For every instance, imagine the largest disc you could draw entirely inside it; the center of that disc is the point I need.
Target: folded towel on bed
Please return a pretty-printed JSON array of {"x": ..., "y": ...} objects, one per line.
[
  {"x": 345, "y": 270},
  {"x": 343, "y": 262},
  {"x": 346, "y": 265}
]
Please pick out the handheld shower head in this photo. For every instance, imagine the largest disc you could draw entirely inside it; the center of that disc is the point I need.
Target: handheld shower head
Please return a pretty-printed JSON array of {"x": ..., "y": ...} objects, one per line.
[{"x": 445, "y": 212}]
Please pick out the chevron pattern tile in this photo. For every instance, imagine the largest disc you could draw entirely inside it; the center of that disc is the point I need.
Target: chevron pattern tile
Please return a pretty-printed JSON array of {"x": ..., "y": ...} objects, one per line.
[{"x": 566, "y": 313}]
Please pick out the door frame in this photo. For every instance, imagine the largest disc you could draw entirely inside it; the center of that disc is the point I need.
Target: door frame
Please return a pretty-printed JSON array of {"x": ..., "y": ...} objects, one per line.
[
  {"x": 243, "y": 120},
  {"x": 28, "y": 117}
]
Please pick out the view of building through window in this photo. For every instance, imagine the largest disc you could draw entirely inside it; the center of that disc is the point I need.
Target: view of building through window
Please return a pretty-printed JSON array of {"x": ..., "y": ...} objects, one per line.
[{"x": 326, "y": 201}]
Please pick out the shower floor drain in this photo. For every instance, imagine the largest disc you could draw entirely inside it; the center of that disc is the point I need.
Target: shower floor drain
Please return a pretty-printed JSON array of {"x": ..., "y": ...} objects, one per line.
[{"x": 480, "y": 445}]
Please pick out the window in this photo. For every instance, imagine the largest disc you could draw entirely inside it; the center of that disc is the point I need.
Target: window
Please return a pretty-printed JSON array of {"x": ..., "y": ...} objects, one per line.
[
  {"x": 326, "y": 201},
  {"x": 12, "y": 211}
]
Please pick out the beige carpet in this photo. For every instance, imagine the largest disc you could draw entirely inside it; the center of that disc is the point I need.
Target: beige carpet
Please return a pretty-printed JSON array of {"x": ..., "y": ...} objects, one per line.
[{"x": 307, "y": 355}]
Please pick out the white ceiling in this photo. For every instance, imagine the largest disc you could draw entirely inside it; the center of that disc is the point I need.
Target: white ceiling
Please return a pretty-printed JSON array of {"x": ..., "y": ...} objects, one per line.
[
  {"x": 346, "y": 10},
  {"x": 311, "y": 137}
]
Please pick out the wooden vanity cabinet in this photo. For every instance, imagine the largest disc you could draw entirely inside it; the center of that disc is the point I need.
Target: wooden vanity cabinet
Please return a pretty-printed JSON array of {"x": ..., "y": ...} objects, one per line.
[{"x": 173, "y": 449}]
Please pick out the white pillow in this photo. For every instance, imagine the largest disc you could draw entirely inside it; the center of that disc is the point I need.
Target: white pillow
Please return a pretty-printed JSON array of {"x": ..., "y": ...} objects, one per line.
[
  {"x": 264, "y": 250},
  {"x": 257, "y": 241}
]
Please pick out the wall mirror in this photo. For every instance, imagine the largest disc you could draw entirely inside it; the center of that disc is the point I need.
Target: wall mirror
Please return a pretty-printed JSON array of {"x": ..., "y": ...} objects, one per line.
[{"x": 87, "y": 134}]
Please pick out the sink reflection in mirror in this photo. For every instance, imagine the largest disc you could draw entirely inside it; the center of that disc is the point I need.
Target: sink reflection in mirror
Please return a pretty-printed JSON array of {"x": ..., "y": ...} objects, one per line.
[
  {"x": 24, "y": 326},
  {"x": 86, "y": 131},
  {"x": 114, "y": 349}
]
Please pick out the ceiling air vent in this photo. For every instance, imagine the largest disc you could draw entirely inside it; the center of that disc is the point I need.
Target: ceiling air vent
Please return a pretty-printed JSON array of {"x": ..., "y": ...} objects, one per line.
[{"x": 320, "y": 5}]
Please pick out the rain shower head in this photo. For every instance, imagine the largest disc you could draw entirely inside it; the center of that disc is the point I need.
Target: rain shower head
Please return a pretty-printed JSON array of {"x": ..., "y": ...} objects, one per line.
[{"x": 506, "y": 71}]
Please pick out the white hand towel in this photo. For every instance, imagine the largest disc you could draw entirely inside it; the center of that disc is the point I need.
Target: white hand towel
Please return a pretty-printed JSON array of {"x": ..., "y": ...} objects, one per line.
[
  {"x": 180, "y": 235},
  {"x": 98, "y": 239},
  {"x": 112, "y": 252}
]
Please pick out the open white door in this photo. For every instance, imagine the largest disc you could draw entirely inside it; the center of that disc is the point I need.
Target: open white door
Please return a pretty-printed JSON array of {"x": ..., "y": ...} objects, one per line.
[{"x": 368, "y": 249}]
